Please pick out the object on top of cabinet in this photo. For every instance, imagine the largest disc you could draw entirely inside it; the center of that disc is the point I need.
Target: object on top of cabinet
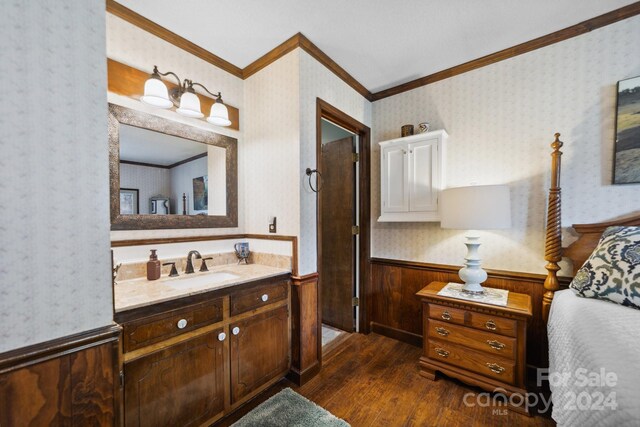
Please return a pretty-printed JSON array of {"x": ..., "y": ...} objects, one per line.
[{"x": 412, "y": 173}]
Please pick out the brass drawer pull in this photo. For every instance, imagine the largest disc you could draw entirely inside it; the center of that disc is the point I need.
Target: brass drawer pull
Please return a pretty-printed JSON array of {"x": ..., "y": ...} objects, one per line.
[
  {"x": 446, "y": 315},
  {"x": 442, "y": 331},
  {"x": 441, "y": 352},
  {"x": 496, "y": 345},
  {"x": 495, "y": 368},
  {"x": 491, "y": 325}
]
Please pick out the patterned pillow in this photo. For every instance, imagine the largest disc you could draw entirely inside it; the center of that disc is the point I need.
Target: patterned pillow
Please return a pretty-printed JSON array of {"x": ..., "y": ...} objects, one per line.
[{"x": 612, "y": 272}]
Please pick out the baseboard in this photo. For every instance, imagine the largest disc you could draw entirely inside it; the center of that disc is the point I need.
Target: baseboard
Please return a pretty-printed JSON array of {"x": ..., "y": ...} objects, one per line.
[
  {"x": 301, "y": 378},
  {"x": 398, "y": 334}
]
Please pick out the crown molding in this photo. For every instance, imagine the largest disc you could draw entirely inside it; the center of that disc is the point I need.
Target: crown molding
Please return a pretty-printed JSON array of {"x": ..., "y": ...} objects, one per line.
[
  {"x": 300, "y": 41},
  {"x": 297, "y": 40},
  {"x": 159, "y": 31},
  {"x": 549, "y": 39},
  {"x": 273, "y": 55}
]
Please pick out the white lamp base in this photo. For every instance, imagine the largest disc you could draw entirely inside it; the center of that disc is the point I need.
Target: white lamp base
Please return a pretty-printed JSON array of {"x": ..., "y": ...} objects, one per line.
[{"x": 472, "y": 273}]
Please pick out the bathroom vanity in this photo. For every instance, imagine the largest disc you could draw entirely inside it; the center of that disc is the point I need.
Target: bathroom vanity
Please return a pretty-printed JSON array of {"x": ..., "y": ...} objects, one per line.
[{"x": 196, "y": 347}]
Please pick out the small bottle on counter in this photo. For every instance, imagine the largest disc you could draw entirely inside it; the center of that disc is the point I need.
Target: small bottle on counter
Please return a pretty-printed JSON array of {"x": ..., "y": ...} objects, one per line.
[{"x": 153, "y": 266}]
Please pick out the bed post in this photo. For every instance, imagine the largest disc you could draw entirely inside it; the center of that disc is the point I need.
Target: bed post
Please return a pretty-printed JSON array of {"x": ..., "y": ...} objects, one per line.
[{"x": 553, "y": 240}]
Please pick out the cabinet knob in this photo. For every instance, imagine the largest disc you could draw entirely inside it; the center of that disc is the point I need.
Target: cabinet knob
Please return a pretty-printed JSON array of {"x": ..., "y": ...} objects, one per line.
[
  {"x": 221, "y": 336},
  {"x": 491, "y": 325},
  {"x": 182, "y": 323},
  {"x": 235, "y": 330},
  {"x": 446, "y": 316},
  {"x": 265, "y": 298}
]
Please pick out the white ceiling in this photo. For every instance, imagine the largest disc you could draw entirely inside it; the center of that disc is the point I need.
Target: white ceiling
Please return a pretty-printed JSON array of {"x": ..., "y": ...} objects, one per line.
[
  {"x": 381, "y": 43},
  {"x": 146, "y": 146}
]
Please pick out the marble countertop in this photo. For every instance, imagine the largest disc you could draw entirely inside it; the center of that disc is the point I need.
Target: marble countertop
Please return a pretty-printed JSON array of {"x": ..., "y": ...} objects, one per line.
[{"x": 134, "y": 293}]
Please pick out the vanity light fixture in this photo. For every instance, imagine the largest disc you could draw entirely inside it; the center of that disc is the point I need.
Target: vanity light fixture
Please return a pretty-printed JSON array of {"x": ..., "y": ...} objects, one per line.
[{"x": 184, "y": 97}]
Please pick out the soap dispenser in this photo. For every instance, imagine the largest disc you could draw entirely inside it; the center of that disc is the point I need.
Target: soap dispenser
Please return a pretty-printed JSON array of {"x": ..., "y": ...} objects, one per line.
[{"x": 153, "y": 266}]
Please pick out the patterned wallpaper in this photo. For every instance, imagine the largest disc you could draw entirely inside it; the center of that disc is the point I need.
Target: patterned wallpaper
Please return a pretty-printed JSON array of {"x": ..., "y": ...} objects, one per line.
[
  {"x": 501, "y": 120},
  {"x": 130, "y": 45},
  {"x": 316, "y": 81},
  {"x": 53, "y": 172},
  {"x": 272, "y": 146},
  {"x": 148, "y": 181}
]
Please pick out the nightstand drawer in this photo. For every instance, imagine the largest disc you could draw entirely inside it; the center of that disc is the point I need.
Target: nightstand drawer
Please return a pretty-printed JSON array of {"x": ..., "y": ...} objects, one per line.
[
  {"x": 478, "y": 340},
  {"x": 498, "y": 325},
  {"x": 451, "y": 315},
  {"x": 471, "y": 360}
]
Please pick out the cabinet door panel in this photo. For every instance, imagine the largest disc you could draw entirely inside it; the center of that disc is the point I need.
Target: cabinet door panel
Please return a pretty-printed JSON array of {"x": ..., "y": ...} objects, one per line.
[
  {"x": 259, "y": 351},
  {"x": 423, "y": 176},
  {"x": 182, "y": 384},
  {"x": 395, "y": 192}
]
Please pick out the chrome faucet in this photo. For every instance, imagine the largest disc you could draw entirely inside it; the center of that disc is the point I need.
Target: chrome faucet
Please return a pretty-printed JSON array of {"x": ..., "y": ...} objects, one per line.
[{"x": 189, "y": 268}]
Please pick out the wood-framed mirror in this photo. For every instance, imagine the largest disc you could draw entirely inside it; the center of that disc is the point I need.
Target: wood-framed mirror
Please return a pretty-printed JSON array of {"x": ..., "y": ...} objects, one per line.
[{"x": 165, "y": 174}]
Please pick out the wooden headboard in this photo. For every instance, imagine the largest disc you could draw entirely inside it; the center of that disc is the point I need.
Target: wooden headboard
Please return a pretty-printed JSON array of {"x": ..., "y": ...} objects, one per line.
[{"x": 578, "y": 251}]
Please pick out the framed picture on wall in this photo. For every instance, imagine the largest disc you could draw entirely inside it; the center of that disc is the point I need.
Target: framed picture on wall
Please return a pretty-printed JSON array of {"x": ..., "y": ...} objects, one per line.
[
  {"x": 129, "y": 204},
  {"x": 626, "y": 168},
  {"x": 201, "y": 193}
]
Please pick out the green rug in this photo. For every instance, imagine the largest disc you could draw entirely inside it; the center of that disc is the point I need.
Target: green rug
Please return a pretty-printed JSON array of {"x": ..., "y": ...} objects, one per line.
[{"x": 288, "y": 409}]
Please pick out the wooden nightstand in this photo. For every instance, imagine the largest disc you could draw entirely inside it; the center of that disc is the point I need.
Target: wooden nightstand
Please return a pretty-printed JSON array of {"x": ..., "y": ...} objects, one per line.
[{"x": 480, "y": 344}]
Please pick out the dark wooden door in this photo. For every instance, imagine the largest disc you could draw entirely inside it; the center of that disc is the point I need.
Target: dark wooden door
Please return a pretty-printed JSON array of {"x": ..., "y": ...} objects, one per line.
[
  {"x": 337, "y": 264},
  {"x": 180, "y": 385},
  {"x": 259, "y": 351}
]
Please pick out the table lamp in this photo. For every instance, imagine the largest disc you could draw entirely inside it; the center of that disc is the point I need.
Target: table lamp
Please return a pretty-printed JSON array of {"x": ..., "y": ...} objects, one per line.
[{"x": 480, "y": 207}]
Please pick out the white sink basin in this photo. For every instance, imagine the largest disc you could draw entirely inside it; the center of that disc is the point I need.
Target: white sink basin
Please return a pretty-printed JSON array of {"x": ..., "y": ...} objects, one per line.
[{"x": 191, "y": 281}]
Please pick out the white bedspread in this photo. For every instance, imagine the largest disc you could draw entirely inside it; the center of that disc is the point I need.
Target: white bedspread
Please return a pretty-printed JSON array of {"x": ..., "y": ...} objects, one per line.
[{"x": 594, "y": 335}]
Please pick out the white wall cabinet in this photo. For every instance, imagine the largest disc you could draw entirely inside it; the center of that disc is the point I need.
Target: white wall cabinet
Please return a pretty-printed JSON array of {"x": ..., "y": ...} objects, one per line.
[{"x": 412, "y": 175}]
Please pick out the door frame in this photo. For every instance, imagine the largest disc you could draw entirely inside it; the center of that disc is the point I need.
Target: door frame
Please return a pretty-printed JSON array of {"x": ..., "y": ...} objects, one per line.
[{"x": 324, "y": 110}]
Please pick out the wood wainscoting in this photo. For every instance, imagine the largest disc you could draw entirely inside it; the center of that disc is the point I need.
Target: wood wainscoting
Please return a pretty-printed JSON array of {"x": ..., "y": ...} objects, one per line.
[
  {"x": 70, "y": 381},
  {"x": 306, "y": 329},
  {"x": 396, "y": 311}
]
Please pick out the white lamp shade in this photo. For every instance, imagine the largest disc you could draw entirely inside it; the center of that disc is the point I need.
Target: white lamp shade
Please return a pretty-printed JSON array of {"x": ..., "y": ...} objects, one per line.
[
  {"x": 156, "y": 94},
  {"x": 190, "y": 105},
  {"x": 481, "y": 207},
  {"x": 219, "y": 115}
]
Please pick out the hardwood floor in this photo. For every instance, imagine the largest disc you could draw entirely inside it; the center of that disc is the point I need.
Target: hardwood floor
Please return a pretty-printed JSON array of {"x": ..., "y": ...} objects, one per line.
[{"x": 371, "y": 380}]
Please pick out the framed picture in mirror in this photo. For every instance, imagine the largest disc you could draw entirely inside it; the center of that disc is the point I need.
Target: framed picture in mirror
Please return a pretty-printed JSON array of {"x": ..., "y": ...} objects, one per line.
[{"x": 129, "y": 203}]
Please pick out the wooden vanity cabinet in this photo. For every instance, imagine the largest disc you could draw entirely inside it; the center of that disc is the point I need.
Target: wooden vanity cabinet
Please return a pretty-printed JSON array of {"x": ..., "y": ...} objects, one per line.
[
  {"x": 259, "y": 351},
  {"x": 200, "y": 373},
  {"x": 182, "y": 384}
]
